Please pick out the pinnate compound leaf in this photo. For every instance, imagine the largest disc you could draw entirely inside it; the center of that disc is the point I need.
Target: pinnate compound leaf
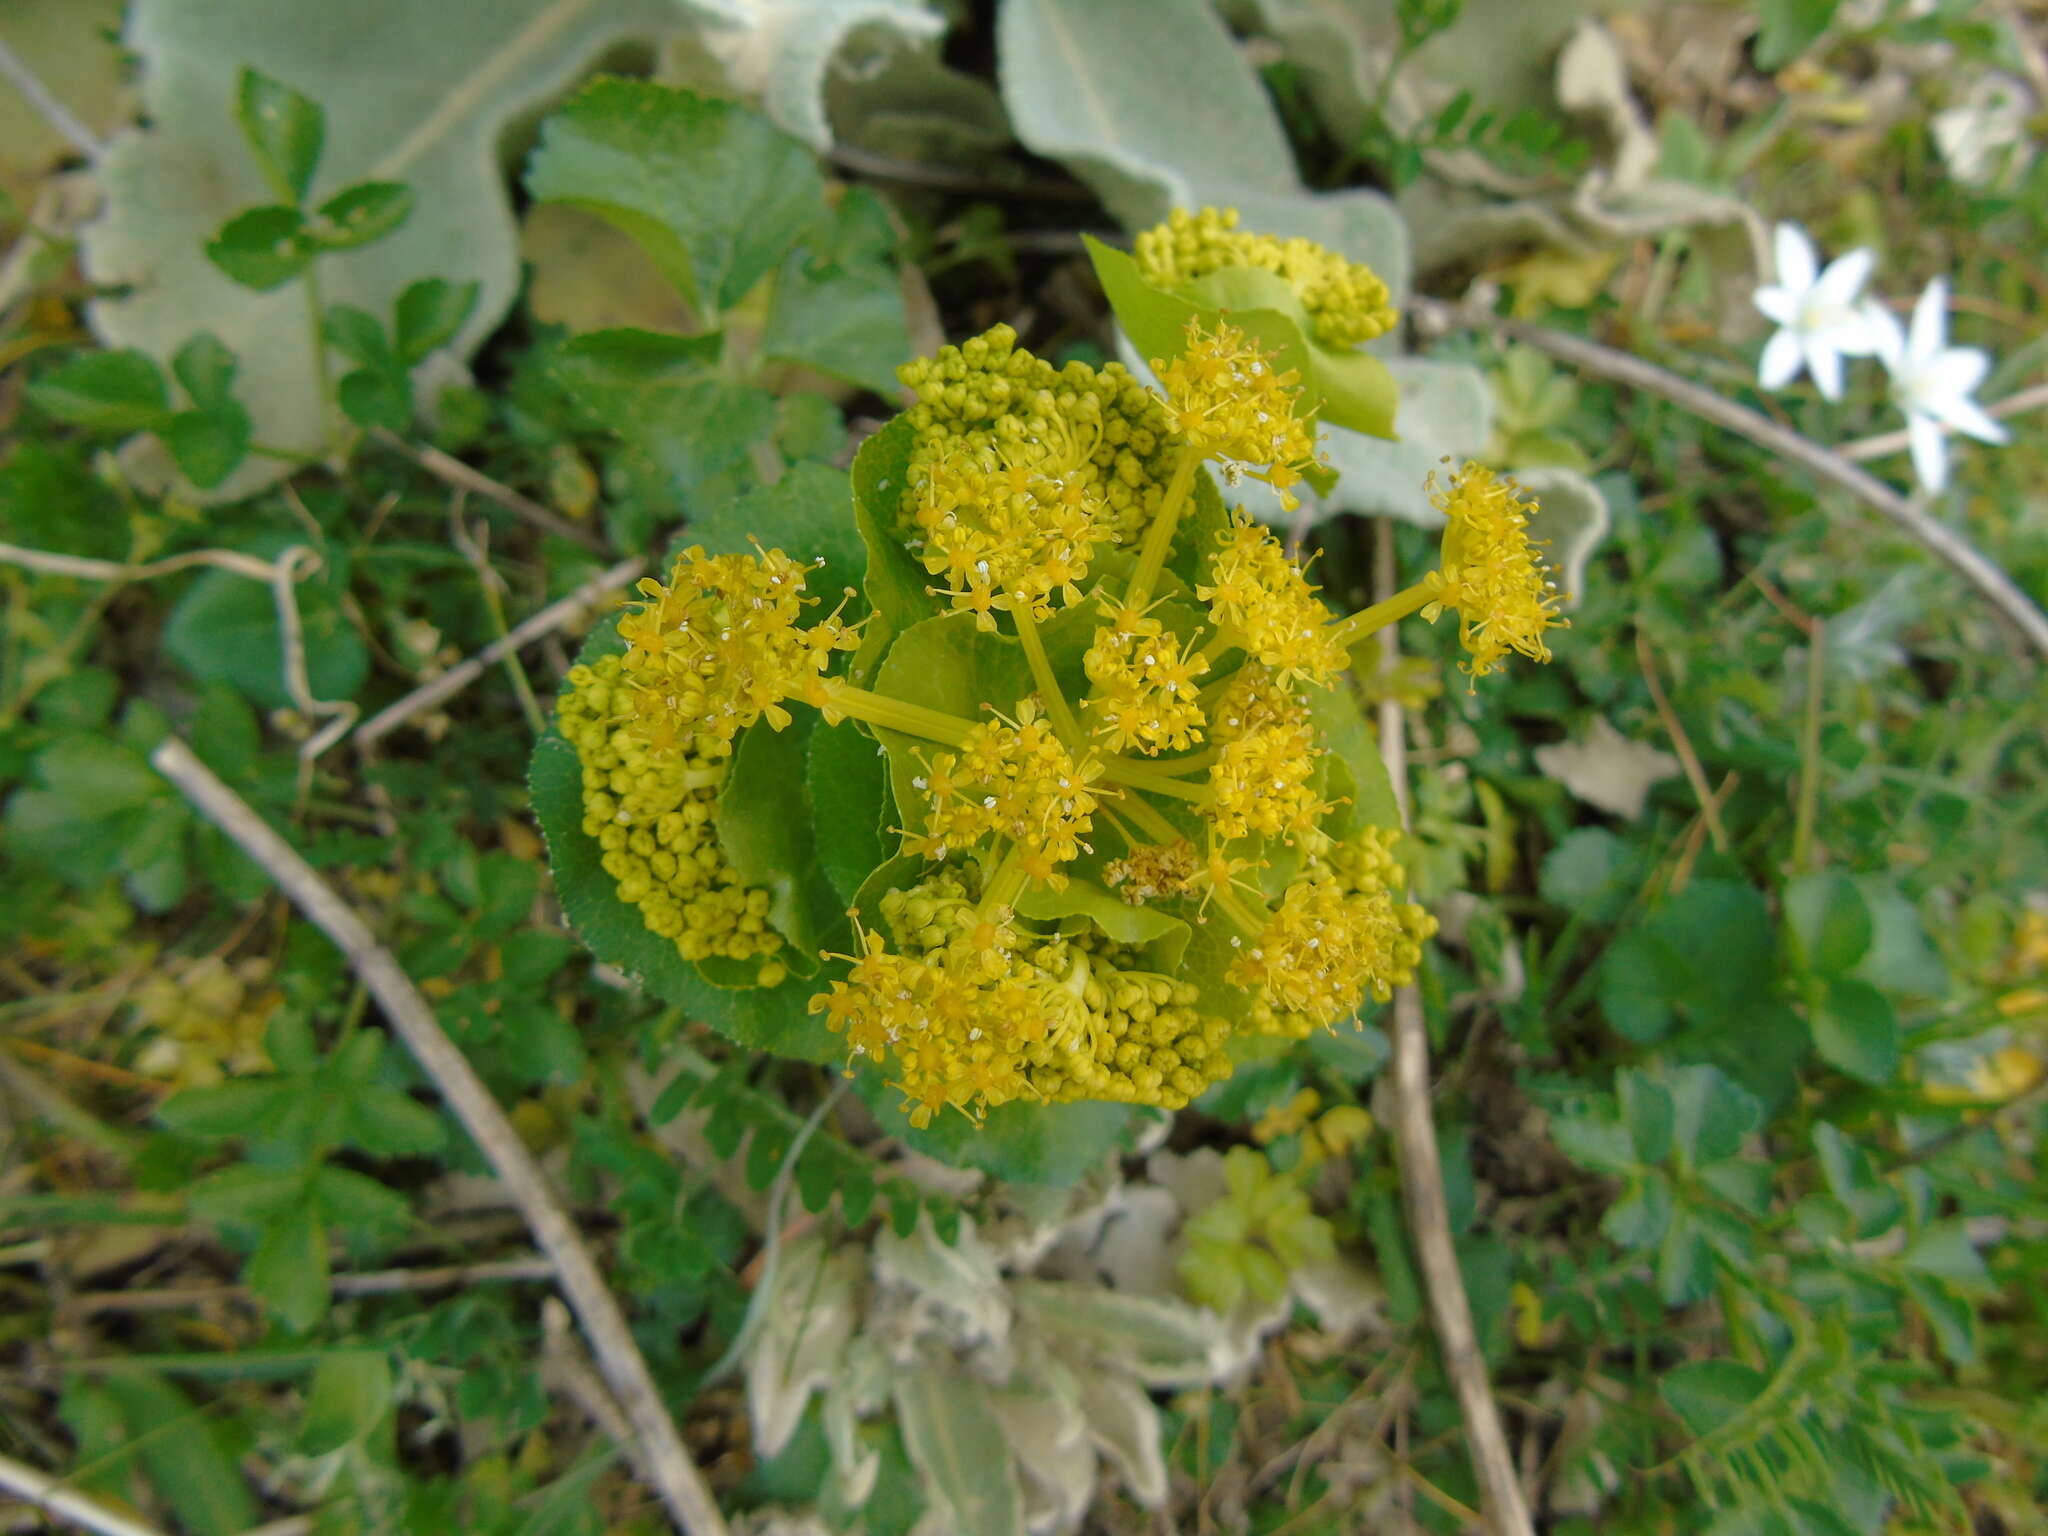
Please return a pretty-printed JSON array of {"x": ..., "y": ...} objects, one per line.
[
  {"x": 288, "y": 1271},
  {"x": 1855, "y": 1029},
  {"x": 715, "y": 193},
  {"x": 413, "y": 94},
  {"x": 184, "y": 1452},
  {"x": 120, "y": 391},
  {"x": 1706, "y": 1394},
  {"x": 360, "y": 215},
  {"x": 285, "y": 132},
  {"x": 264, "y": 248}
]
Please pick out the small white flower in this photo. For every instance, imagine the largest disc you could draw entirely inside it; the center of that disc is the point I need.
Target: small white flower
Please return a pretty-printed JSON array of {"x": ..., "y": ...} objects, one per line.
[
  {"x": 1820, "y": 323},
  {"x": 1933, "y": 381}
]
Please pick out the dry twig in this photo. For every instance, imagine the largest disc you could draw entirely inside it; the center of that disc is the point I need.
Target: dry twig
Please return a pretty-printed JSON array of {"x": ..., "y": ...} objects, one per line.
[
  {"x": 1422, "y": 1174},
  {"x": 1907, "y": 516},
  {"x": 557, "y": 615},
  {"x": 680, "y": 1484},
  {"x": 446, "y": 467},
  {"x": 51, "y": 1496}
]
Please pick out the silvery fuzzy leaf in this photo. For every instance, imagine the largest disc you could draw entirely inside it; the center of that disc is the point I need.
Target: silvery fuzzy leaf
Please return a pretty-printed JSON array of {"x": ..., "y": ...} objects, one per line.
[
  {"x": 1161, "y": 1342},
  {"x": 962, "y": 1279},
  {"x": 1133, "y": 1248},
  {"x": 956, "y": 1442},
  {"x": 806, "y": 1326},
  {"x": 779, "y": 51},
  {"x": 1606, "y": 769},
  {"x": 1124, "y": 1424},
  {"x": 422, "y": 96},
  {"x": 1344, "y": 1296},
  {"x": 1049, "y": 1438},
  {"x": 1571, "y": 520}
]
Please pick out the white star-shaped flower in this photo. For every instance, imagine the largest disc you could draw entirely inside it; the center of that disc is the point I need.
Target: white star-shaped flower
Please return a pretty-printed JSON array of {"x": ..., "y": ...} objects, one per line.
[
  {"x": 1933, "y": 381},
  {"x": 1816, "y": 311}
]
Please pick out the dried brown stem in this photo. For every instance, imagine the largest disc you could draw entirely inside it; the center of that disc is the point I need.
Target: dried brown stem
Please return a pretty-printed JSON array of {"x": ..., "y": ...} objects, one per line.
[
  {"x": 1422, "y": 1174},
  {"x": 677, "y": 1479},
  {"x": 446, "y": 467}
]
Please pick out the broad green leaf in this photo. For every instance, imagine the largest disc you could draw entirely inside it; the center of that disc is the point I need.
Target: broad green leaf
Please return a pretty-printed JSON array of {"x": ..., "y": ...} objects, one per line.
[
  {"x": 1640, "y": 1218},
  {"x": 372, "y": 398},
  {"x": 1591, "y": 874},
  {"x": 1341, "y": 725},
  {"x": 264, "y": 248},
  {"x": 285, "y": 132},
  {"x": 1945, "y": 1250},
  {"x": 944, "y": 663},
  {"x": 288, "y": 1271},
  {"x": 357, "y": 335},
  {"x": 208, "y": 445},
  {"x": 842, "y": 312},
  {"x": 896, "y": 585},
  {"x": 1829, "y": 921},
  {"x": 386, "y": 1122},
  {"x": 1855, "y": 1029},
  {"x": 808, "y": 515},
  {"x": 1872, "y": 1205},
  {"x": 847, "y": 774},
  {"x": 1647, "y": 1110},
  {"x": 716, "y": 194},
  {"x": 109, "y": 391},
  {"x": 957, "y": 1443},
  {"x": 350, "y": 1396},
  {"x": 1084, "y": 901},
  {"x": 665, "y": 398},
  {"x": 185, "y": 1454},
  {"x": 414, "y": 94},
  {"x": 360, "y": 215},
  {"x": 1707, "y": 1394},
  {"x": 344, "y": 1198},
  {"x": 247, "y": 1193},
  {"x": 1900, "y": 957}
]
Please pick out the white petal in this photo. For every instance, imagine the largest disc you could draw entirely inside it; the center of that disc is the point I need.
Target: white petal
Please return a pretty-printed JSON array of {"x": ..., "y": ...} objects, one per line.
[
  {"x": 1854, "y": 335},
  {"x": 1779, "y": 304},
  {"x": 1845, "y": 276},
  {"x": 1955, "y": 372},
  {"x": 1781, "y": 361},
  {"x": 1797, "y": 261},
  {"x": 1929, "y": 332},
  {"x": 1930, "y": 450},
  {"x": 1968, "y": 417},
  {"x": 1887, "y": 337},
  {"x": 1826, "y": 365}
]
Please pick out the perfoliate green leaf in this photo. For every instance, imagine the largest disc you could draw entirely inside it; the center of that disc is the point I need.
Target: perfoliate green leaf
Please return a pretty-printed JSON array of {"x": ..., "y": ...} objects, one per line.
[
  {"x": 847, "y": 775},
  {"x": 360, "y": 215},
  {"x": 717, "y": 195},
  {"x": 264, "y": 248},
  {"x": 766, "y": 827},
  {"x": 1345, "y": 388},
  {"x": 110, "y": 391},
  {"x": 285, "y": 131}
]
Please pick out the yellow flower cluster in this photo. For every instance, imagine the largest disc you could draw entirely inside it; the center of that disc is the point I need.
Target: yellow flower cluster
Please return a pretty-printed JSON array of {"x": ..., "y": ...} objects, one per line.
[
  {"x": 1010, "y": 779},
  {"x": 650, "y": 811},
  {"x": 1337, "y": 935},
  {"x": 1012, "y": 533},
  {"x": 1347, "y": 303},
  {"x": 988, "y": 400},
  {"x": 1263, "y": 782},
  {"x": 1260, "y": 599},
  {"x": 1146, "y": 695},
  {"x": 1491, "y": 572},
  {"x": 719, "y": 645},
  {"x": 207, "y": 1022},
  {"x": 973, "y": 1013},
  {"x": 1226, "y": 398}
]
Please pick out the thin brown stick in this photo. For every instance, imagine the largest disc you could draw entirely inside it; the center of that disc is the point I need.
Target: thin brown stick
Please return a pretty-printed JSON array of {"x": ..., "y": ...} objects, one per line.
[
  {"x": 1695, "y": 774},
  {"x": 50, "y": 1495},
  {"x": 677, "y": 1480},
  {"x": 557, "y": 615},
  {"x": 1422, "y": 1173},
  {"x": 1944, "y": 542},
  {"x": 371, "y": 1282},
  {"x": 446, "y": 467}
]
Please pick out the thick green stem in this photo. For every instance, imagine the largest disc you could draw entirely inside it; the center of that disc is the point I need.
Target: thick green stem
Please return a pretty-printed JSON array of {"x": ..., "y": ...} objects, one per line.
[
  {"x": 1121, "y": 770},
  {"x": 1005, "y": 885},
  {"x": 892, "y": 714},
  {"x": 1367, "y": 621},
  {"x": 1056, "y": 704},
  {"x": 1159, "y": 536}
]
